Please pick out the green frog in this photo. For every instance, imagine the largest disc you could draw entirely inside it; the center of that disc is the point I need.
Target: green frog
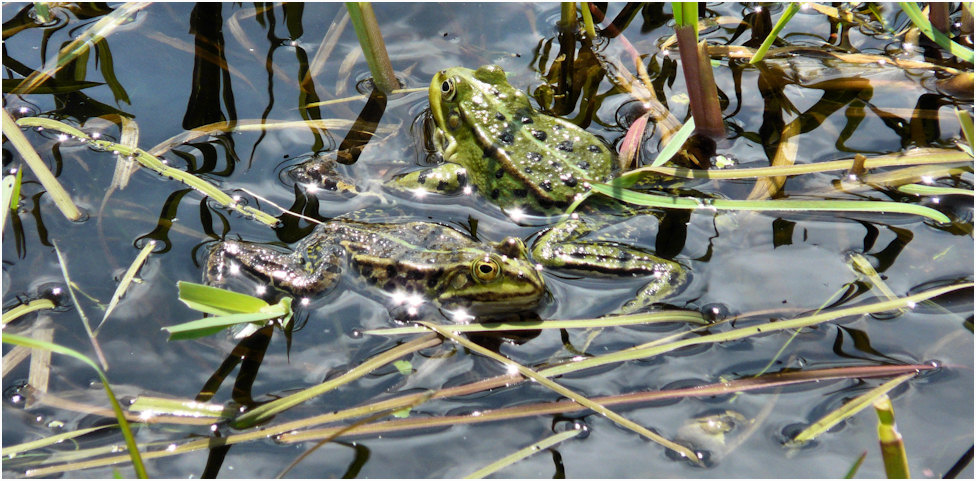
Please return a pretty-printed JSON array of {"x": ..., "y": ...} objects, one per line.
[
  {"x": 414, "y": 263},
  {"x": 491, "y": 138}
]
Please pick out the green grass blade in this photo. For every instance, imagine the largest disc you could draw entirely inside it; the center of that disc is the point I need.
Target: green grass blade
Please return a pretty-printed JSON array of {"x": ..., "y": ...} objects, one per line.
[
  {"x": 675, "y": 143},
  {"x": 690, "y": 203},
  {"x": 214, "y": 300},
  {"x": 266, "y": 411},
  {"x": 923, "y": 24},
  {"x": 966, "y": 123},
  {"x": 119, "y": 414},
  {"x": 180, "y": 407},
  {"x": 50, "y": 440},
  {"x": 212, "y": 325},
  {"x": 558, "y": 388},
  {"x": 791, "y": 10},
  {"x": 849, "y": 409},
  {"x": 374, "y": 49},
  {"x": 920, "y": 189},
  {"x": 81, "y": 312},
  {"x": 151, "y": 162},
  {"x": 44, "y": 175},
  {"x": 588, "y": 20},
  {"x": 609, "y": 321},
  {"x": 8, "y": 194},
  {"x": 22, "y": 309},
  {"x": 130, "y": 274},
  {"x": 915, "y": 157},
  {"x": 856, "y": 466},
  {"x": 645, "y": 351},
  {"x": 892, "y": 444},
  {"x": 523, "y": 453}
]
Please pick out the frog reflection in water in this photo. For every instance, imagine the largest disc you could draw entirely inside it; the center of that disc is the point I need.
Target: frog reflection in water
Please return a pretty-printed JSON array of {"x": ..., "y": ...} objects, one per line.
[
  {"x": 521, "y": 160},
  {"x": 410, "y": 261}
]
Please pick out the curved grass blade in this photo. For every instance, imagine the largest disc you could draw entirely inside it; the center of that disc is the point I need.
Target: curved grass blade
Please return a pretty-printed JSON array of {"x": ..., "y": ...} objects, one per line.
[
  {"x": 791, "y": 10},
  {"x": 558, "y": 388},
  {"x": 609, "y": 321},
  {"x": 81, "y": 313},
  {"x": 52, "y": 86},
  {"x": 690, "y": 203},
  {"x": 22, "y": 309},
  {"x": 523, "y": 453},
  {"x": 151, "y": 162},
  {"x": 130, "y": 274},
  {"x": 849, "y": 409},
  {"x": 925, "y": 26},
  {"x": 119, "y": 414},
  {"x": 892, "y": 444},
  {"x": 44, "y": 175}
]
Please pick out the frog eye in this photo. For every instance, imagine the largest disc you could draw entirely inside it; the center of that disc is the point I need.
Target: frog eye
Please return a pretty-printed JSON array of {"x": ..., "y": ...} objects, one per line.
[
  {"x": 485, "y": 270},
  {"x": 448, "y": 89}
]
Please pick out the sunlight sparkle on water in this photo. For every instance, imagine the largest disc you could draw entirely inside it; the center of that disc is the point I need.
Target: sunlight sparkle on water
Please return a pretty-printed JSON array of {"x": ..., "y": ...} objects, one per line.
[
  {"x": 311, "y": 188},
  {"x": 927, "y": 179},
  {"x": 419, "y": 193},
  {"x": 461, "y": 316},
  {"x": 261, "y": 290},
  {"x": 467, "y": 190},
  {"x": 517, "y": 214},
  {"x": 511, "y": 369},
  {"x": 304, "y": 301},
  {"x": 147, "y": 415}
]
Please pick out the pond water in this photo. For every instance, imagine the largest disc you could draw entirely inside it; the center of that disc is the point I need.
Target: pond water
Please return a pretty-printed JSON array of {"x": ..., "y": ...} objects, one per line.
[{"x": 174, "y": 67}]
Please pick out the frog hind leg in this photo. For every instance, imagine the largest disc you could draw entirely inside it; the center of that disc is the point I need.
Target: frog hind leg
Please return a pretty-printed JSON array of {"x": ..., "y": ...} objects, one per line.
[
  {"x": 299, "y": 273},
  {"x": 562, "y": 247},
  {"x": 446, "y": 178}
]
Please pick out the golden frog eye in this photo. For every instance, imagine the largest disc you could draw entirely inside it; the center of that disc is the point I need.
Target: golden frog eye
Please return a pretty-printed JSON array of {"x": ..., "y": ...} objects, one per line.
[
  {"x": 448, "y": 89},
  {"x": 485, "y": 270}
]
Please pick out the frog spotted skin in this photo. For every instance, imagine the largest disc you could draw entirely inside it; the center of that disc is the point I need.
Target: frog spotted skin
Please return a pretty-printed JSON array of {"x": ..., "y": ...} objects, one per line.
[
  {"x": 438, "y": 263},
  {"x": 513, "y": 155}
]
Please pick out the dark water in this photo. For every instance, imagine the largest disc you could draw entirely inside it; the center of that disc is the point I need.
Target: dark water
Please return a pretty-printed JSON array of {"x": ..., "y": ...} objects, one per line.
[{"x": 773, "y": 263}]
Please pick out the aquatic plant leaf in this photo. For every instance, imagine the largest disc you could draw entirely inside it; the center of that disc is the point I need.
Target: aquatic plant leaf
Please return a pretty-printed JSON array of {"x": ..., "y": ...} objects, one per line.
[
  {"x": 214, "y": 300},
  {"x": 925, "y": 26},
  {"x": 791, "y": 10},
  {"x": 849, "y": 409}
]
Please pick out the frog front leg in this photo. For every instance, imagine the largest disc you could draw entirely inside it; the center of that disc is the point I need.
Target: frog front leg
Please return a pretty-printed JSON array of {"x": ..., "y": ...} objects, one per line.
[
  {"x": 563, "y": 247},
  {"x": 447, "y": 178},
  {"x": 303, "y": 272}
]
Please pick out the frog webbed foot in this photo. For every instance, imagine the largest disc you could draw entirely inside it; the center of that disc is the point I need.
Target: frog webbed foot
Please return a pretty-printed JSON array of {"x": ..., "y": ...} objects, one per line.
[
  {"x": 294, "y": 273},
  {"x": 562, "y": 247},
  {"x": 444, "y": 179}
]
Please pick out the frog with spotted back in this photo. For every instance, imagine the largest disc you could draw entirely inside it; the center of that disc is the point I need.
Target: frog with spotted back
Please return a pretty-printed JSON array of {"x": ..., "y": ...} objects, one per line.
[
  {"x": 492, "y": 138},
  {"x": 411, "y": 262}
]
